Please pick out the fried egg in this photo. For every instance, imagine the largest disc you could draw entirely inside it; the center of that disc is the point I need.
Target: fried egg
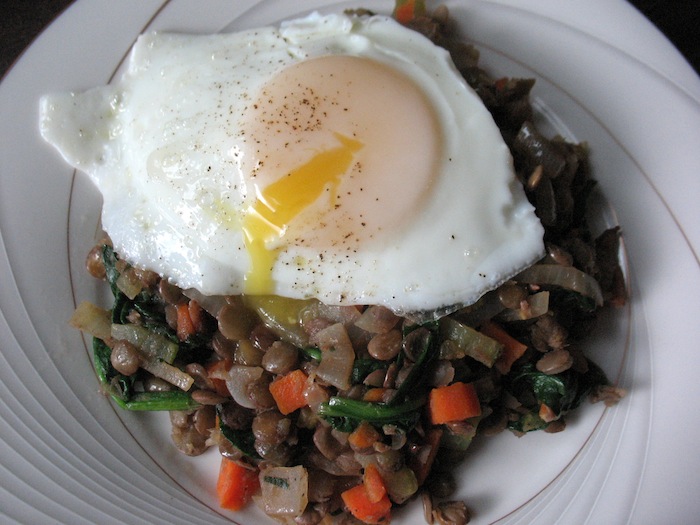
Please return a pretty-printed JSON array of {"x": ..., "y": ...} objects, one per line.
[{"x": 334, "y": 157}]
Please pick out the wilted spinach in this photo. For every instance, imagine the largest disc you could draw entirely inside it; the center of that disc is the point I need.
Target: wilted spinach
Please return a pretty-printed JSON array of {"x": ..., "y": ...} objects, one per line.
[{"x": 560, "y": 392}]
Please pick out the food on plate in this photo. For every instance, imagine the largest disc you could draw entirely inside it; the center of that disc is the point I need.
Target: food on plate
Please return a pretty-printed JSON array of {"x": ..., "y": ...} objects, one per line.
[
  {"x": 339, "y": 251},
  {"x": 207, "y": 154}
]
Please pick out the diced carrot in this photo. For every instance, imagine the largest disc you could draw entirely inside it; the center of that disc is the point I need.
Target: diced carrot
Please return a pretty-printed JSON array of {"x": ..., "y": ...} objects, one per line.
[
  {"x": 288, "y": 391},
  {"x": 500, "y": 84},
  {"x": 185, "y": 326},
  {"x": 364, "y": 436},
  {"x": 512, "y": 348},
  {"x": 374, "y": 484},
  {"x": 236, "y": 485},
  {"x": 215, "y": 370},
  {"x": 546, "y": 413},
  {"x": 407, "y": 10},
  {"x": 455, "y": 402},
  {"x": 358, "y": 503},
  {"x": 196, "y": 314},
  {"x": 374, "y": 395}
]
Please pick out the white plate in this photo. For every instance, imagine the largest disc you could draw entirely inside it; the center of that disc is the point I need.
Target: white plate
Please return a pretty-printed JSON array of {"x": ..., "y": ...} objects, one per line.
[{"x": 604, "y": 75}]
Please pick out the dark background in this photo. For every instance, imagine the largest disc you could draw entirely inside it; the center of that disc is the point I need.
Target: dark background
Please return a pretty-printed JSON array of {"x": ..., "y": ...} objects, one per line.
[{"x": 22, "y": 20}]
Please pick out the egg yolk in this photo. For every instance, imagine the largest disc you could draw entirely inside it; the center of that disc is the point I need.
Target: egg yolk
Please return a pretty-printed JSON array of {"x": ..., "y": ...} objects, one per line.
[
  {"x": 280, "y": 202},
  {"x": 338, "y": 151}
]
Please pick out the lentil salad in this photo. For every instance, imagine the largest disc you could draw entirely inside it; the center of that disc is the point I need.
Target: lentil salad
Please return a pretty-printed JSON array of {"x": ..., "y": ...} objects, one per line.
[{"x": 356, "y": 384}]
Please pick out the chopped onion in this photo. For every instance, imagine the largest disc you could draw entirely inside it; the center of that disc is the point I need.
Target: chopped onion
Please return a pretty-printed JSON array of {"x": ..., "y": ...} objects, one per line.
[
  {"x": 537, "y": 305},
  {"x": 168, "y": 372},
  {"x": 336, "y": 314},
  {"x": 337, "y": 356},
  {"x": 129, "y": 283},
  {"x": 285, "y": 490},
  {"x": 377, "y": 320},
  {"x": 92, "y": 320},
  {"x": 564, "y": 276}
]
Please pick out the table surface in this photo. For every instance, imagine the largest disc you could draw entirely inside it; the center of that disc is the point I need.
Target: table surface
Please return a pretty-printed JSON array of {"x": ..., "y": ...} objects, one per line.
[{"x": 22, "y": 21}]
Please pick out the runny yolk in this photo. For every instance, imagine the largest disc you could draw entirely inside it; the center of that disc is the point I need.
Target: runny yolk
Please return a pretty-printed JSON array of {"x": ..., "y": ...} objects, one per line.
[
  {"x": 339, "y": 154},
  {"x": 280, "y": 202}
]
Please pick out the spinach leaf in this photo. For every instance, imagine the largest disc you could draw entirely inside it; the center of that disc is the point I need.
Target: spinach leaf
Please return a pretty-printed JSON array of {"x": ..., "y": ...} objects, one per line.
[
  {"x": 159, "y": 401},
  {"x": 119, "y": 386},
  {"x": 103, "y": 366},
  {"x": 573, "y": 304},
  {"x": 109, "y": 259},
  {"x": 152, "y": 313},
  {"x": 432, "y": 326},
  {"x": 122, "y": 390},
  {"x": 311, "y": 352},
  {"x": 345, "y": 414},
  {"x": 560, "y": 392},
  {"x": 243, "y": 440},
  {"x": 122, "y": 304}
]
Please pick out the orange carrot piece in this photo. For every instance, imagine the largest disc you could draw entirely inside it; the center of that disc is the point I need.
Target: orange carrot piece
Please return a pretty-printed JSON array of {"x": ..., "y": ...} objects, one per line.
[
  {"x": 512, "y": 348},
  {"x": 374, "y": 484},
  {"x": 546, "y": 413},
  {"x": 217, "y": 369},
  {"x": 374, "y": 395},
  {"x": 185, "y": 326},
  {"x": 454, "y": 402},
  {"x": 407, "y": 10},
  {"x": 288, "y": 391},
  {"x": 236, "y": 485},
  {"x": 357, "y": 501},
  {"x": 196, "y": 314},
  {"x": 364, "y": 436},
  {"x": 501, "y": 83}
]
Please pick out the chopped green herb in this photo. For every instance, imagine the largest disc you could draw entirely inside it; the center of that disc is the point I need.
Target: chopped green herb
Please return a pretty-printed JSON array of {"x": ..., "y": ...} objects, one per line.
[{"x": 277, "y": 482}]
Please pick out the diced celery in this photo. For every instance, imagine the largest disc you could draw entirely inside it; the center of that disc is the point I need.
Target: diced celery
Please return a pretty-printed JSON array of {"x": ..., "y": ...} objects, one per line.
[
  {"x": 469, "y": 342},
  {"x": 151, "y": 344},
  {"x": 400, "y": 484},
  {"x": 460, "y": 436}
]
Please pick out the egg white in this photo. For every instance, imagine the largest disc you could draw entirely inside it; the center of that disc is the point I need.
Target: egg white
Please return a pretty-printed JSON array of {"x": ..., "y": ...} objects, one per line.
[{"x": 163, "y": 145}]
